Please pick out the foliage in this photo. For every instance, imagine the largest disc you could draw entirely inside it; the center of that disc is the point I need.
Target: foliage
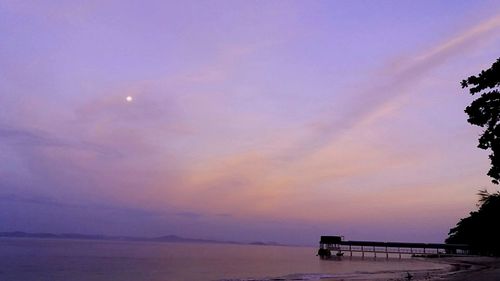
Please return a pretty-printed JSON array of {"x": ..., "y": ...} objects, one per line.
[
  {"x": 485, "y": 112},
  {"x": 481, "y": 229}
]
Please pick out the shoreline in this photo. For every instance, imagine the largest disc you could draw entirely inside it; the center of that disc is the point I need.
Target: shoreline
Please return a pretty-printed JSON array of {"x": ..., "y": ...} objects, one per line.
[
  {"x": 473, "y": 268},
  {"x": 454, "y": 269},
  {"x": 460, "y": 269}
]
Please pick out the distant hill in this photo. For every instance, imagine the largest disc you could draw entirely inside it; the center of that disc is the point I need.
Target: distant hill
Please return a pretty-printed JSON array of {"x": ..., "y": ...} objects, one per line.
[
  {"x": 265, "y": 243},
  {"x": 166, "y": 238}
]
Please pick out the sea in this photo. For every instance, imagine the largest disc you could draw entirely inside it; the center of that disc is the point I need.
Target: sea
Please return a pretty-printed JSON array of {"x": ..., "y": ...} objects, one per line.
[{"x": 27, "y": 259}]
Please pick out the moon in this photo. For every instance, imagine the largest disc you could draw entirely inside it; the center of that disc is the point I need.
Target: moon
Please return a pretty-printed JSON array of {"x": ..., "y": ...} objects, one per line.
[{"x": 128, "y": 98}]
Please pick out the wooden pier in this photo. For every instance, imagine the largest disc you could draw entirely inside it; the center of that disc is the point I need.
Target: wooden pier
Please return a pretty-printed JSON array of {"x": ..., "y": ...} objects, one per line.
[{"x": 338, "y": 246}]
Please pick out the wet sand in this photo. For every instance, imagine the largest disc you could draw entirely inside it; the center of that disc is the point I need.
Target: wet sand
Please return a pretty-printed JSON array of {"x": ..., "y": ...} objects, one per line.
[
  {"x": 459, "y": 269},
  {"x": 462, "y": 269},
  {"x": 480, "y": 268}
]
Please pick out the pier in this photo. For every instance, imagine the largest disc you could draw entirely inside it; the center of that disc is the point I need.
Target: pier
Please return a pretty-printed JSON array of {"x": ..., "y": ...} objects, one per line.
[{"x": 338, "y": 246}]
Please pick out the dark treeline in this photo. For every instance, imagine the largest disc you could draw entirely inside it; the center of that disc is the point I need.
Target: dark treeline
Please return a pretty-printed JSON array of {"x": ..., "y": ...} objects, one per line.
[{"x": 481, "y": 230}]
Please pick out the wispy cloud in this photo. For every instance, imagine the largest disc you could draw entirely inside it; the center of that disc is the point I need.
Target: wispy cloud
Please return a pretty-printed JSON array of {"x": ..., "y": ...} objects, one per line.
[
  {"x": 257, "y": 182},
  {"x": 241, "y": 116},
  {"x": 395, "y": 80},
  {"x": 189, "y": 215},
  {"x": 35, "y": 137}
]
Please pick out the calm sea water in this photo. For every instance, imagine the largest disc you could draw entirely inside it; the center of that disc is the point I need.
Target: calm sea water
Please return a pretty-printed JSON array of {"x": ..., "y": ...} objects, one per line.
[{"x": 75, "y": 260}]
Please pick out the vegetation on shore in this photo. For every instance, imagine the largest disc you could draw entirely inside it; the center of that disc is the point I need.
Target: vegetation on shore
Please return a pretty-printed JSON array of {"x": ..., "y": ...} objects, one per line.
[
  {"x": 485, "y": 112},
  {"x": 480, "y": 230}
]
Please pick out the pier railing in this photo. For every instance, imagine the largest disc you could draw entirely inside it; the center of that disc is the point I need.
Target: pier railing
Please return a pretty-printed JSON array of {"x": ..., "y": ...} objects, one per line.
[{"x": 340, "y": 246}]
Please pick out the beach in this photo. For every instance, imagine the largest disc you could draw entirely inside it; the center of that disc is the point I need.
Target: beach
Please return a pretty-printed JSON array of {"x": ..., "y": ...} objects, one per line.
[
  {"x": 461, "y": 269},
  {"x": 473, "y": 268},
  {"x": 452, "y": 269}
]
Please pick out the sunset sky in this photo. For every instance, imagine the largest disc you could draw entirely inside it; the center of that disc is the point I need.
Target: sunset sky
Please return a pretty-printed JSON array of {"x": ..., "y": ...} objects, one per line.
[{"x": 247, "y": 120}]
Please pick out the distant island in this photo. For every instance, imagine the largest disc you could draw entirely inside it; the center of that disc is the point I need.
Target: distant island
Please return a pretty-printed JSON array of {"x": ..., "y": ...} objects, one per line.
[{"x": 166, "y": 238}]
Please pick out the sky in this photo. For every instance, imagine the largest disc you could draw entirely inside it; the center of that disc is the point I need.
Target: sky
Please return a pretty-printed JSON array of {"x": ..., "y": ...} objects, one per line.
[{"x": 247, "y": 120}]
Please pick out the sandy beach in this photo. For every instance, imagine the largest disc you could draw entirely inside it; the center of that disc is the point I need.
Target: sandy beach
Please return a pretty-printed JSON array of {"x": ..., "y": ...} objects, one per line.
[
  {"x": 458, "y": 269},
  {"x": 473, "y": 268},
  {"x": 462, "y": 269}
]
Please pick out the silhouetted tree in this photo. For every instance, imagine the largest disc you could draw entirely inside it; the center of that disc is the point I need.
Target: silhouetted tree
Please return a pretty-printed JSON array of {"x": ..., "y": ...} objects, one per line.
[
  {"x": 481, "y": 229},
  {"x": 485, "y": 112}
]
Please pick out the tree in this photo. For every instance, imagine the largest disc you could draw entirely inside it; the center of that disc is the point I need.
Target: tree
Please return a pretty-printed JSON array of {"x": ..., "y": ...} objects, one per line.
[
  {"x": 480, "y": 230},
  {"x": 485, "y": 112}
]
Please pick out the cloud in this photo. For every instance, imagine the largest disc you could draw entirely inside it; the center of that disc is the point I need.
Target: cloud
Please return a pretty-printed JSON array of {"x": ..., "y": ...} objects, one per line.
[
  {"x": 290, "y": 176},
  {"x": 14, "y": 198},
  {"x": 468, "y": 38},
  {"x": 189, "y": 215},
  {"x": 64, "y": 204},
  {"x": 25, "y": 137},
  {"x": 385, "y": 90},
  {"x": 35, "y": 138},
  {"x": 208, "y": 143}
]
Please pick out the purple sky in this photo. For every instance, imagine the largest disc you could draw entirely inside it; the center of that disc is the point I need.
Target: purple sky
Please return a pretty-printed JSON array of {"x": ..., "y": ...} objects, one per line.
[{"x": 249, "y": 120}]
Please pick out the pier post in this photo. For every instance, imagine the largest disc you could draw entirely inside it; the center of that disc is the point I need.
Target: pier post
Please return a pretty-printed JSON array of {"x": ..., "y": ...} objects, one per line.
[
  {"x": 350, "y": 250},
  {"x": 399, "y": 252},
  {"x": 386, "y": 253},
  {"x": 362, "y": 252},
  {"x": 374, "y": 252}
]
